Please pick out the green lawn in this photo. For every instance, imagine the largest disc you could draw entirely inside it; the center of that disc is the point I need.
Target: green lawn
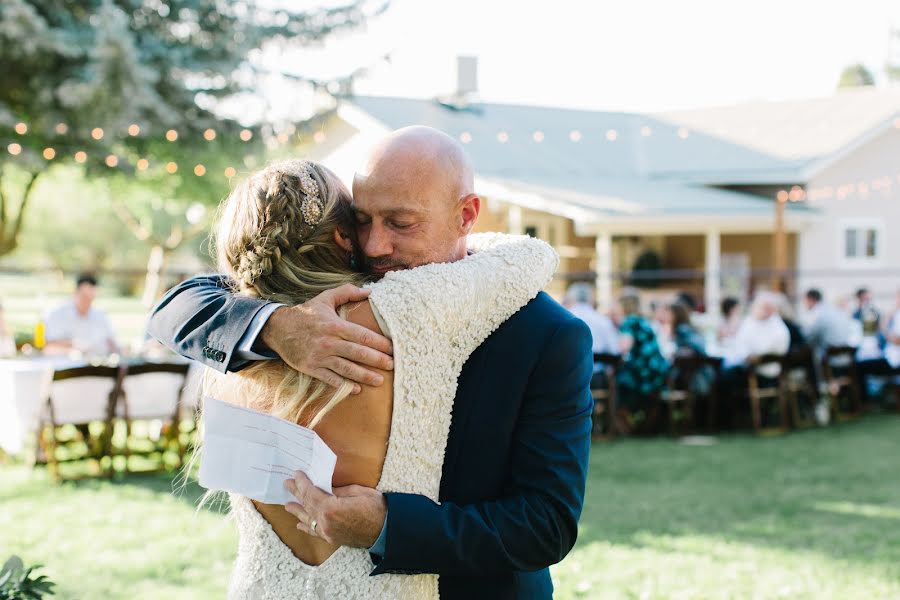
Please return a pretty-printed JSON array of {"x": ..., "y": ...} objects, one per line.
[{"x": 814, "y": 514}]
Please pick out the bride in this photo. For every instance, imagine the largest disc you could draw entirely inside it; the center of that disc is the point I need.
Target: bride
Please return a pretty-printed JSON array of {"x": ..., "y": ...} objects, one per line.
[{"x": 286, "y": 234}]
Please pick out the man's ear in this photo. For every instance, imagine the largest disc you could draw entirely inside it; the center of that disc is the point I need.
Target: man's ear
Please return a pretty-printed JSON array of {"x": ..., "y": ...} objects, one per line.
[
  {"x": 470, "y": 206},
  {"x": 342, "y": 239}
]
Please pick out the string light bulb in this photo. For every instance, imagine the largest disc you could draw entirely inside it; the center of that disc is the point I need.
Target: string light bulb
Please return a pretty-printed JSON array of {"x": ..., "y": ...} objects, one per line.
[
  {"x": 796, "y": 194},
  {"x": 465, "y": 137},
  {"x": 575, "y": 135},
  {"x": 171, "y": 135},
  {"x": 142, "y": 164},
  {"x": 61, "y": 128},
  {"x": 49, "y": 153},
  {"x": 14, "y": 149},
  {"x": 80, "y": 156},
  {"x": 246, "y": 134},
  {"x": 134, "y": 129},
  {"x": 112, "y": 160},
  {"x": 209, "y": 135},
  {"x": 21, "y": 128},
  {"x": 612, "y": 135},
  {"x": 171, "y": 167},
  {"x": 230, "y": 172},
  {"x": 97, "y": 133},
  {"x": 199, "y": 170}
]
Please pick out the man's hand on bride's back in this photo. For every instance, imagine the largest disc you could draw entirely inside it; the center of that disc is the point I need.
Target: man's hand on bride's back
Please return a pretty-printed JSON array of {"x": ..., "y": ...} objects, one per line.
[{"x": 313, "y": 339}]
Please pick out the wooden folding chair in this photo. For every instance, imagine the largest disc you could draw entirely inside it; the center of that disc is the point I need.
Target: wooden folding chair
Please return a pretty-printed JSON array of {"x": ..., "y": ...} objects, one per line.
[
  {"x": 680, "y": 391},
  {"x": 762, "y": 387},
  {"x": 798, "y": 380},
  {"x": 168, "y": 382},
  {"x": 842, "y": 381},
  {"x": 605, "y": 398},
  {"x": 79, "y": 396}
]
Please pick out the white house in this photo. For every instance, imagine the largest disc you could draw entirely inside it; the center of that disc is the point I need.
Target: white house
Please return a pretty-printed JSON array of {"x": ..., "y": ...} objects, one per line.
[{"x": 696, "y": 187}]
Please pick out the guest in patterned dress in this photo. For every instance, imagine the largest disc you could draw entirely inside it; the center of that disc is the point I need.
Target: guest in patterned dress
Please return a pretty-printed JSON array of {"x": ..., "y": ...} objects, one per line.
[{"x": 643, "y": 374}]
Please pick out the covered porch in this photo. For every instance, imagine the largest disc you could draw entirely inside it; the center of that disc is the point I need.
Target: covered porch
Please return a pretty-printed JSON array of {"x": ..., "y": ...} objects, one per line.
[{"x": 656, "y": 236}]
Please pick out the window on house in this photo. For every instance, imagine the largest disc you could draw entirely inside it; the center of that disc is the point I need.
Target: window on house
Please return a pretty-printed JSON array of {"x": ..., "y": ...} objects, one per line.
[
  {"x": 862, "y": 243},
  {"x": 531, "y": 231}
]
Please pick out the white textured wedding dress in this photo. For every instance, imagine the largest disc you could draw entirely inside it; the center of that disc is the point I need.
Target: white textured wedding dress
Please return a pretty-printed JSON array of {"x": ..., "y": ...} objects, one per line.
[{"x": 436, "y": 315}]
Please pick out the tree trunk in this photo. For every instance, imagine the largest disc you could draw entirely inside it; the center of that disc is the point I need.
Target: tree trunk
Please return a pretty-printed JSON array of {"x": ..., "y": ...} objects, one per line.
[
  {"x": 9, "y": 231},
  {"x": 157, "y": 265}
]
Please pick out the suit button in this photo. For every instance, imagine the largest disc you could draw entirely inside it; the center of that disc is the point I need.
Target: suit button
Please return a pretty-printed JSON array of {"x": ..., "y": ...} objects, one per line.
[{"x": 220, "y": 356}]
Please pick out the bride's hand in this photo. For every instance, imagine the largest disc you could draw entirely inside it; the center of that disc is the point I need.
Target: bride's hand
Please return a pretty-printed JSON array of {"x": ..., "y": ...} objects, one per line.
[
  {"x": 354, "y": 516},
  {"x": 314, "y": 340}
]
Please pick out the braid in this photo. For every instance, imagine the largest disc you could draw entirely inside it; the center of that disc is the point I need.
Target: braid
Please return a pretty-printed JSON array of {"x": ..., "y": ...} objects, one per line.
[
  {"x": 276, "y": 240},
  {"x": 275, "y": 253}
]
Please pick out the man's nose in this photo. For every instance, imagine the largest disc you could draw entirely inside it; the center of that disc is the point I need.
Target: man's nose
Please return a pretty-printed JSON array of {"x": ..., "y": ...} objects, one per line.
[{"x": 378, "y": 243}]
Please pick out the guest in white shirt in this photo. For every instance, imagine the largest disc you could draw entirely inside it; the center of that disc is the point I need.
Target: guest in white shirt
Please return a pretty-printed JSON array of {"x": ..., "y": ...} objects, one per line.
[
  {"x": 77, "y": 326},
  {"x": 825, "y": 324},
  {"x": 761, "y": 332},
  {"x": 579, "y": 301}
]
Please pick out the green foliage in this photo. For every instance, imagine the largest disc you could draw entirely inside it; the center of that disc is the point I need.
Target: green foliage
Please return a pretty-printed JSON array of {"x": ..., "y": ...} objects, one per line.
[
  {"x": 855, "y": 76},
  {"x": 17, "y": 583},
  {"x": 646, "y": 264},
  {"x": 892, "y": 69},
  {"x": 808, "y": 515},
  {"x": 72, "y": 69}
]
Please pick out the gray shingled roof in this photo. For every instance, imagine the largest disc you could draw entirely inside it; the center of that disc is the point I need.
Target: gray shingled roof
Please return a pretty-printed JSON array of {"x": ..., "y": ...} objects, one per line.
[{"x": 634, "y": 164}]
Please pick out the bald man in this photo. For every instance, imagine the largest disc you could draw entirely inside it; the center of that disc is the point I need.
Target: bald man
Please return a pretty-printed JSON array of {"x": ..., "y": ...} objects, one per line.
[{"x": 512, "y": 484}]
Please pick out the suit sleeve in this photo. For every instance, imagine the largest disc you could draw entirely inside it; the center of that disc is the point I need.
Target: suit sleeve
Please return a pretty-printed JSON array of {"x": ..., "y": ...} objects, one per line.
[
  {"x": 535, "y": 523},
  {"x": 203, "y": 320}
]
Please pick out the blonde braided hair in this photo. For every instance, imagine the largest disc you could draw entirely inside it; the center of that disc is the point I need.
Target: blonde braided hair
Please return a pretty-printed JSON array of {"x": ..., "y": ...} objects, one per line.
[{"x": 275, "y": 245}]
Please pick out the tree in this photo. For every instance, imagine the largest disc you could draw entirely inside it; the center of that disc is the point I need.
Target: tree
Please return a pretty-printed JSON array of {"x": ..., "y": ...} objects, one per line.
[
  {"x": 855, "y": 76},
  {"x": 892, "y": 68},
  {"x": 103, "y": 83}
]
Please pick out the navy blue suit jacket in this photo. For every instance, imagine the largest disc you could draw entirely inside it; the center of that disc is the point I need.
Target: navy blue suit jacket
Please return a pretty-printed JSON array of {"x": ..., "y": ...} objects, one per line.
[{"x": 513, "y": 479}]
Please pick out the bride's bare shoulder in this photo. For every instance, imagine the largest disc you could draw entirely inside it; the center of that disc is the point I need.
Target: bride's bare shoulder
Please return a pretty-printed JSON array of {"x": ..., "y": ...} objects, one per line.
[{"x": 361, "y": 313}]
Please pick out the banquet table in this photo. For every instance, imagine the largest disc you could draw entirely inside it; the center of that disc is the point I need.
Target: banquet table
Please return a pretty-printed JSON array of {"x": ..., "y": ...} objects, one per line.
[{"x": 25, "y": 384}]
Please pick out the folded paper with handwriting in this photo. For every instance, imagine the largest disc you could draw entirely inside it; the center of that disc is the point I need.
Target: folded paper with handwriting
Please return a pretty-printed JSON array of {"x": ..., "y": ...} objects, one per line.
[{"x": 251, "y": 453}]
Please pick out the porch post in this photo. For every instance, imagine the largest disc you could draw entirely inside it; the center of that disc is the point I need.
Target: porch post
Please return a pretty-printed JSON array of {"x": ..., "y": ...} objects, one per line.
[
  {"x": 604, "y": 271},
  {"x": 514, "y": 220},
  {"x": 712, "y": 280}
]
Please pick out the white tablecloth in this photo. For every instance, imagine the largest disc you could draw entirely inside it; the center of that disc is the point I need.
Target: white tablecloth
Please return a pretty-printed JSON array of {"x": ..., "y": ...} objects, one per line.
[{"x": 25, "y": 385}]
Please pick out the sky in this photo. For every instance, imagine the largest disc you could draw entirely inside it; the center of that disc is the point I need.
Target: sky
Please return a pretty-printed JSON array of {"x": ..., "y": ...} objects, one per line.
[{"x": 637, "y": 55}]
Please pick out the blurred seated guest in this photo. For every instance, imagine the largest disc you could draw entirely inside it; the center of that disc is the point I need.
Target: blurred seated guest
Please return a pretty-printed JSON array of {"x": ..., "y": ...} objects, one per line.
[
  {"x": 761, "y": 332},
  {"x": 685, "y": 336},
  {"x": 661, "y": 323},
  {"x": 888, "y": 365},
  {"x": 643, "y": 373},
  {"x": 866, "y": 312},
  {"x": 731, "y": 318},
  {"x": 689, "y": 302},
  {"x": 797, "y": 339},
  {"x": 579, "y": 301},
  {"x": 7, "y": 340},
  {"x": 689, "y": 341},
  {"x": 825, "y": 325},
  {"x": 78, "y": 326}
]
